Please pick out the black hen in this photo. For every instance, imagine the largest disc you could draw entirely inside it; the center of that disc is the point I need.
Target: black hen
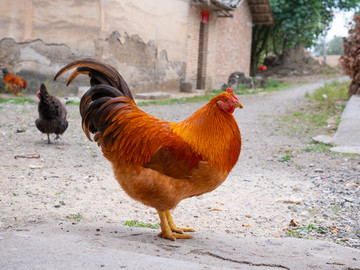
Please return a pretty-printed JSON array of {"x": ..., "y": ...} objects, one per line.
[{"x": 52, "y": 114}]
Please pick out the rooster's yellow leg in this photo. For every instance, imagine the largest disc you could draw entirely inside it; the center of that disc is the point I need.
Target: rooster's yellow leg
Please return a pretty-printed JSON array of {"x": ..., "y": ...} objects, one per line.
[
  {"x": 173, "y": 227},
  {"x": 166, "y": 231}
]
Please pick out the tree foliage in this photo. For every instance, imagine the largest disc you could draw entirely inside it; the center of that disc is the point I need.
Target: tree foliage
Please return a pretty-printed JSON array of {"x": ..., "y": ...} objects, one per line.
[
  {"x": 350, "y": 60},
  {"x": 333, "y": 47},
  {"x": 296, "y": 23}
]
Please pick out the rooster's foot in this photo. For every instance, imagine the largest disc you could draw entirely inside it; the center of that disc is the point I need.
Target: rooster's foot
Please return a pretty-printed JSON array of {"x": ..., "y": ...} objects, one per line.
[
  {"x": 168, "y": 228},
  {"x": 173, "y": 227},
  {"x": 173, "y": 236}
]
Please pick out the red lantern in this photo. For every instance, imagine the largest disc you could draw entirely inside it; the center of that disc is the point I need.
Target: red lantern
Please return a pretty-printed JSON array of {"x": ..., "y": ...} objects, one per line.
[{"x": 205, "y": 16}]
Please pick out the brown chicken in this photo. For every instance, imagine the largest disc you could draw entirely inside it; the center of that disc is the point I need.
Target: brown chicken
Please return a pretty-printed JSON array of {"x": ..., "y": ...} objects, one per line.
[
  {"x": 156, "y": 162},
  {"x": 52, "y": 114},
  {"x": 13, "y": 83}
]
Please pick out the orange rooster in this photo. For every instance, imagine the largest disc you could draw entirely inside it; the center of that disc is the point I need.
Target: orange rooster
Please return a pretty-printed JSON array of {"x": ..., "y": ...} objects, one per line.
[
  {"x": 156, "y": 162},
  {"x": 13, "y": 83}
]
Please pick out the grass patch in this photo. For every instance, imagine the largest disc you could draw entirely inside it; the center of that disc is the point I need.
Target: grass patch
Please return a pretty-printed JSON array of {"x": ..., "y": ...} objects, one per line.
[
  {"x": 134, "y": 223},
  {"x": 270, "y": 86},
  {"x": 336, "y": 209},
  {"x": 324, "y": 104},
  {"x": 304, "y": 232},
  {"x": 17, "y": 100},
  {"x": 72, "y": 102},
  {"x": 318, "y": 147},
  {"x": 328, "y": 95},
  {"x": 286, "y": 158},
  {"x": 177, "y": 100},
  {"x": 75, "y": 217}
]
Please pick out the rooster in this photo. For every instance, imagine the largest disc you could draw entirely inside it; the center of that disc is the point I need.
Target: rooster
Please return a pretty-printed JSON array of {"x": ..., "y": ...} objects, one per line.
[
  {"x": 156, "y": 162},
  {"x": 13, "y": 83},
  {"x": 52, "y": 114}
]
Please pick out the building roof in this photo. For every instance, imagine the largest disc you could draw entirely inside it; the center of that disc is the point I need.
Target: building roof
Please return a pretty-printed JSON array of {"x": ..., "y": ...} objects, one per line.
[
  {"x": 260, "y": 9},
  {"x": 261, "y": 12}
]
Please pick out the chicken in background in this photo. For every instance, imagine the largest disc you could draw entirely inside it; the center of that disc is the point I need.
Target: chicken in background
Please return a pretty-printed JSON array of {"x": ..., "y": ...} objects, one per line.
[
  {"x": 13, "y": 83},
  {"x": 52, "y": 114},
  {"x": 157, "y": 162}
]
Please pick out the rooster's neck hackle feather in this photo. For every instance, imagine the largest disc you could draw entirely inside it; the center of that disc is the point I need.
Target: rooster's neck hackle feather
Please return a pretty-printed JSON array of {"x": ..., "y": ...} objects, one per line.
[{"x": 213, "y": 134}]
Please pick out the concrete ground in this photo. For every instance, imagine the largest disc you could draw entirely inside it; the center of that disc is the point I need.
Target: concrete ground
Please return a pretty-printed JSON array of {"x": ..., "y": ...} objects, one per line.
[
  {"x": 347, "y": 137},
  {"x": 99, "y": 246},
  {"x": 107, "y": 246}
]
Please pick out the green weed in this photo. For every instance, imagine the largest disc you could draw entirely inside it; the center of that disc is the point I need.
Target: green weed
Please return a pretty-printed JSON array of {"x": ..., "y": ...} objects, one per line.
[
  {"x": 17, "y": 100},
  {"x": 301, "y": 232},
  {"x": 134, "y": 223},
  {"x": 72, "y": 102},
  {"x": 75, "y": 217},
  {"x": 286, "y": 158},
  {"x": 319, "y": 147},
  {"x": 313, "y": 118},
  {"x": 336, "y": 209}
]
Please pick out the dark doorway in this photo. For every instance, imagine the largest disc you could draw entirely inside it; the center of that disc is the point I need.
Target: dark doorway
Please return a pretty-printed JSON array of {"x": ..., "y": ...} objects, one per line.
[{"x": 202, "y": 53}]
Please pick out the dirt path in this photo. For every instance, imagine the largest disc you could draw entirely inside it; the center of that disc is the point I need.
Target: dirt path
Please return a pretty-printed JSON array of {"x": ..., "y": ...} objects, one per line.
[{"x": 72, "y": 183}]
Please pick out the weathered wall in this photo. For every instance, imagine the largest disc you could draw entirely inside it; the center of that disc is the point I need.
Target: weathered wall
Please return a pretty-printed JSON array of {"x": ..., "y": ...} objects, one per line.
[
  {"x": 228, "y": 45},
  {"x": 152, "y": 43},
  {"x": 37, "y": 37},
  {"x": 232, "y": 45}
]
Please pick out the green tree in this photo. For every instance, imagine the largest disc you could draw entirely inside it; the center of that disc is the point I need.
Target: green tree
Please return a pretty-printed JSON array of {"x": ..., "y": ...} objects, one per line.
[
  {"x": 335, "y": 46},
  {"x": 296, "y": 23}
]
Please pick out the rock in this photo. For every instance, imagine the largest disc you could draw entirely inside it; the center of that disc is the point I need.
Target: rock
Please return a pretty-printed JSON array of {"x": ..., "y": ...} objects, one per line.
[
  {"x": 236, "y": 79},
  {"x": 325, "y": 139},
  {"x": 348, "y": 199},
  {"x": 186, "y": 87}
]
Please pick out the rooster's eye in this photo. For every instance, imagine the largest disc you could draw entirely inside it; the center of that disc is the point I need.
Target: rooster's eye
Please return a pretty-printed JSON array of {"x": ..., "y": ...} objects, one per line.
[{"x": 226, "y": 100}]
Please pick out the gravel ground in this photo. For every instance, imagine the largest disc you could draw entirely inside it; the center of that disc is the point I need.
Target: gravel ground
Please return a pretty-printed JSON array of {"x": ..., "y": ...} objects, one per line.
[{"x": 70, "y": 181}]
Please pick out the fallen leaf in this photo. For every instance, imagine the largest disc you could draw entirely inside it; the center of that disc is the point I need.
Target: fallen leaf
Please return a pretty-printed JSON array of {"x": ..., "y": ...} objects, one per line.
[
  {"x": 290, "y": 201},
  {"x": 35, "y": 167},
  {"x": 246, "y": 225},
  {"x": 220, "y": 203},
  {"x": 351, "y": 184},
  {"x": 334, "y": 229},
  {"x": 294, "y": 223},
  {"x": 348, "y": 228},
  {"x": 27, "y": 156},
  {"x": 217, "y": 209}
]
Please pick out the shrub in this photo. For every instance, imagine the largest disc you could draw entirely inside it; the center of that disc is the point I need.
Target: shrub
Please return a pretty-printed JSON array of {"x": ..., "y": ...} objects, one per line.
[{"x": 350, "y": 60}]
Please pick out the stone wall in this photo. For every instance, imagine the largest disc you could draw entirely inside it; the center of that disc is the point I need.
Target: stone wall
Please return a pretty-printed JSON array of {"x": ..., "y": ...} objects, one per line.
[
  {"x": 228, "y": 45},
  {"x": 38, "y": 37},
  {"x": 152, "y": 43},
  {"x": 232, "y": 45}
]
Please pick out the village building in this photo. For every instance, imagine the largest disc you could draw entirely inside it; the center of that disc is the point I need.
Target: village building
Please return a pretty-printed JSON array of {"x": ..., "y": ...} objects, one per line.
[{"x": 157, "y": 45}]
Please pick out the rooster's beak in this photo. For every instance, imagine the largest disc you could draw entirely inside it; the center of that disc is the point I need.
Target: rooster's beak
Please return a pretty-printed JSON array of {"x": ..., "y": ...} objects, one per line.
[{"x": 239, "y": 105}]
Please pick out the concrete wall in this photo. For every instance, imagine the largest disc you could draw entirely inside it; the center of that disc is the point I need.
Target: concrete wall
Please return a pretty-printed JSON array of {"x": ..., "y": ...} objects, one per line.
[
  {"x": 152, "y": 43},
  {"x": 144, "y": 40}
]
